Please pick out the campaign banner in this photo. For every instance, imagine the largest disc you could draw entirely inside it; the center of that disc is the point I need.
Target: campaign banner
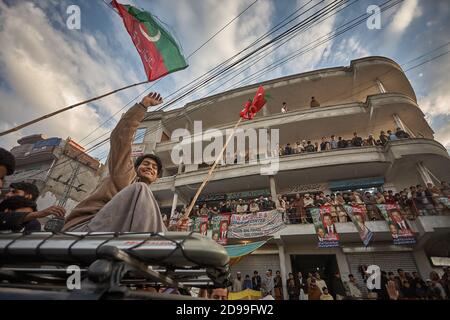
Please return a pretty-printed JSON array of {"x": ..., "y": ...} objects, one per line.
[
  {"x": 220, "y": 225},
  {"x": 325, "y": 228},
  {"x": 358, "y": 214},
  {"x": 255, "y": 225},
  {"x": 398, "y": 226},
  {"x": 200, "y": 225}
]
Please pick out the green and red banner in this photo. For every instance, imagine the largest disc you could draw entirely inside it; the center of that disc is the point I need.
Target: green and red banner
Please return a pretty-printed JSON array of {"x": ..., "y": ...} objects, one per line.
[
  {"x": 398, "y": 226},
  {"x": 159, "y": 51},
  {"x": 358, "y": 214},
  {"x": 220, "y": 225},
  {"x": 200, "y": 225},
  {"x": 325, "y": 228}
]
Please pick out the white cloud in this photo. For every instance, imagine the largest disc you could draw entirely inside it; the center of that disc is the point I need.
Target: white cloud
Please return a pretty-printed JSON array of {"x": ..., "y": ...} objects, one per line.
[
  {"x": 46, "y": 69},
  {"x": 443, "y": 135},
  {"x": 404, "y": 16}
]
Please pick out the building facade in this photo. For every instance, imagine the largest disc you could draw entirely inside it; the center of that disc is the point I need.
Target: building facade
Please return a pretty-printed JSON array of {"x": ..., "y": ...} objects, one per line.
[
  {"x": 62, "y": 171},
  {"x": 369, "y": 96}
]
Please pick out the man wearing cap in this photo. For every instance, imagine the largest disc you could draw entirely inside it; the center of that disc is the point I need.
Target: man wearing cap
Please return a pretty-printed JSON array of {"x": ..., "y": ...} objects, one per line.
[
  {"x": 123, "y": 201},
  {"x": 16, "y": 212},
  {"x": 237, "y": 282},
  {"x": 31, "y": 192}
]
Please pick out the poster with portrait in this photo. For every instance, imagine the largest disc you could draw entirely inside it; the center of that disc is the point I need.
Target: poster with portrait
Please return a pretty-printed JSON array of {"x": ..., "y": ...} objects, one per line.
[
  {"x": 398, "y": 226},
  {"x": 200, "y": 225},
  {"x": 358, "y": 214},
  {"x": 325, "y": 228},
  {"x": 220, "y": 225}
]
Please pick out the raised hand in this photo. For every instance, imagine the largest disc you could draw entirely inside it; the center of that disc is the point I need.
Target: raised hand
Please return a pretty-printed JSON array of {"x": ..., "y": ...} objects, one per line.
[{"x": 152, "y": 99}]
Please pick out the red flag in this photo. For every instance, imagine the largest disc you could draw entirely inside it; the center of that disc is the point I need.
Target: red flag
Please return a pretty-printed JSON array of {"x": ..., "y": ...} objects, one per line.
[
  {"x": 157, "y": 48},
  {"x": 253, "y": 106}
]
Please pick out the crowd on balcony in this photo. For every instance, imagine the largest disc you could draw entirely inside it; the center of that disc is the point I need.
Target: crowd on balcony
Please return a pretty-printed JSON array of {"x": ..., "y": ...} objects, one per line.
[
  {"x": 413, "y": 201},
  {"x": 332, "y": 144},
  {"x": 417, "y": 200}
]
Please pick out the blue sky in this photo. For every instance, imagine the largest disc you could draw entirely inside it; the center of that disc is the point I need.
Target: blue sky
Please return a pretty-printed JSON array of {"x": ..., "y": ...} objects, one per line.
[{"x": 45, "y": 66}]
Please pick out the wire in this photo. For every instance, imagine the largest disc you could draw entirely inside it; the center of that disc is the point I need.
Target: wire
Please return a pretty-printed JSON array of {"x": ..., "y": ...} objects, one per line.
[{"x": 102, "y": 142}]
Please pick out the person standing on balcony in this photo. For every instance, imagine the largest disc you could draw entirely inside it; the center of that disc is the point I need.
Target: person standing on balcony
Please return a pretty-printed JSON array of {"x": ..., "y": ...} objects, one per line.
[
  {"x": 445, "y": 189},
  {"x": 241, "y": 208},
  {"x": 370, "y": 202},
  {"x": 325, "y": 145},
  {"x": 254, "y": 208},
  {"x": 356, "y": 141},
  {"x": 333, "y": 142},
  {"x": 288, "y": 150},
  {"x": 379, "y": 198},
  {"x": 342, "y": 143},
  {"x": 270, "y": 204},
  {"x": 204, "y": 210},
  {"x": 284, "y": 108},
  {"x": 316, "y": 147},
  {"x": 401, "y": 134},
  {"x": 299, "y": 148},
  {"x": 371, "y": 141},
  {"x": 262, "y": 204},
  {"x": 300, "y": 214},
  {"x": 383, "y": 138},
  {"x": 391, "y": 136},
  {"x": 314, "y": 103},
  {"x": 310, "y": 147}
]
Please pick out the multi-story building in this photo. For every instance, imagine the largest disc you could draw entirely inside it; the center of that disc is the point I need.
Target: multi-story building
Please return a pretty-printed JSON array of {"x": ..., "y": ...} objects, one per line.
[
  {"x": 370, "y": 95},
  {"x": 62, "y": 171}
]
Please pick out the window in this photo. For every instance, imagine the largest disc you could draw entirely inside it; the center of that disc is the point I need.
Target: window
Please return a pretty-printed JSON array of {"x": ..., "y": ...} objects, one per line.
[{"x": 139, "y": 136}]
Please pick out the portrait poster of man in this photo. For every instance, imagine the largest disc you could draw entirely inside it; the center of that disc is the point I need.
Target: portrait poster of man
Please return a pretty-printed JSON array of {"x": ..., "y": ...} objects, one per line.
[
  {"x": 203, "y": 225},
  {"x": 220, "y": 225},
  {"x": 200, "y": 225},
  {"x": 325, "y": 228},
  {"x": 358, "y": 214},
  {"x": 398, "y": 226}
]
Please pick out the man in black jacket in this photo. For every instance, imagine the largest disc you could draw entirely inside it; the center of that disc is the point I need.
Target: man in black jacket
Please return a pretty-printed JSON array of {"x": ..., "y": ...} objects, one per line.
[
  {"x": 17, "y": 211},
  {"x": 256, "y": 281},
  {"x": 356, "y": 141}
]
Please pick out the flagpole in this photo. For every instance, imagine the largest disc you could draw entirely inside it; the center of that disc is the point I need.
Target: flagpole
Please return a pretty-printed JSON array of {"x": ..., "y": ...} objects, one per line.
[
  {"x": 208, "y": 176},
  {"x": 26, "y": 124}
]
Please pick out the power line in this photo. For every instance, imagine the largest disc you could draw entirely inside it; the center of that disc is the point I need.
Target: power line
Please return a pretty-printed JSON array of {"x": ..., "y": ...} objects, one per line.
[
  {"x": 223, "y": 63},
  {"x": 296, "y": 27},
  {"x": 190, "y": 55},
  {"x": 280, "y": 36},
  {"x": 353, "y": 93},
  {"x": 102, "y": 142}
]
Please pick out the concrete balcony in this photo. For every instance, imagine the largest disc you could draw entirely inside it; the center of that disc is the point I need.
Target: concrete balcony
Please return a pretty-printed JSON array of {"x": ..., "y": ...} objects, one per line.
[
  {"x": 371, "y": 117},
  {"x": 324, "y": 166},
  {"x": 423, "y": 227},
  {"x": 331, "y": 86}
]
